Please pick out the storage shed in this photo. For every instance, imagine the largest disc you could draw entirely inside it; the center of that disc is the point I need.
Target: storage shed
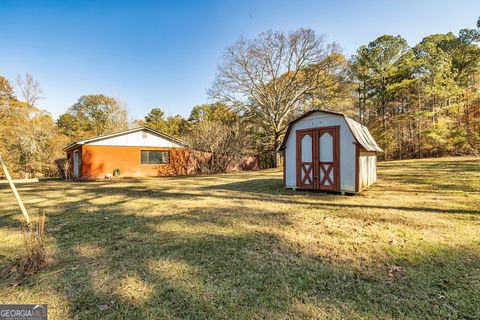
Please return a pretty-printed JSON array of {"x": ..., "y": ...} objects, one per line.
[{"x": 325, "y": 150}]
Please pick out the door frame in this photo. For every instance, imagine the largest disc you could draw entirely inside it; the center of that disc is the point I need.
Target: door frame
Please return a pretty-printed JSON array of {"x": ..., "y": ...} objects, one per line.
[
  {"x": 76, "y": 162},
  {"x": 316, "y": 157},
  {"x": 299, "y": 135},
  {"x": 335, "y": 132}
]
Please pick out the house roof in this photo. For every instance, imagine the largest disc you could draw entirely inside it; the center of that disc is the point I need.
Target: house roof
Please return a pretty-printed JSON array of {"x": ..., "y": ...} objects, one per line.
[
  {"x": 359, "y": 131},
  {"x": 153, "y": 131}
]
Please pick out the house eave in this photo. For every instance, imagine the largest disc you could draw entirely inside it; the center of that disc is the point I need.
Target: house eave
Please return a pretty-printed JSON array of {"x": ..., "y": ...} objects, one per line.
[
  {"x": 72, "y": 146},
  {"x": 99, "y": 138}
]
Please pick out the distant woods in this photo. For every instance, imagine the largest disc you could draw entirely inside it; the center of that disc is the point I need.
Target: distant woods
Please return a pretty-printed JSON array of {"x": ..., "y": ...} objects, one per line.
[
  {"x": 30, "y": 141},
  {"x": 418, "y": 101}
]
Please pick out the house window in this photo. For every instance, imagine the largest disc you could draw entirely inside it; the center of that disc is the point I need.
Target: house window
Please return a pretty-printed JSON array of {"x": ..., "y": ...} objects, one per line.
[{"x": 155, "y": 157}]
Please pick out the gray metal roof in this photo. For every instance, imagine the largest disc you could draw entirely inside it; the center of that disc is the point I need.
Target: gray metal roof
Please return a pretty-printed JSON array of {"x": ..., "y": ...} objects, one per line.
[
  {"x": 359, "y": 132},
  {"x": 362, "y": 135}
]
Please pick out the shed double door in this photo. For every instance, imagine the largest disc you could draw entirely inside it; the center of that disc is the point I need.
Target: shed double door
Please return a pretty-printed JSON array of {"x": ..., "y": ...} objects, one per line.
[{"x": 318, "y": 159}]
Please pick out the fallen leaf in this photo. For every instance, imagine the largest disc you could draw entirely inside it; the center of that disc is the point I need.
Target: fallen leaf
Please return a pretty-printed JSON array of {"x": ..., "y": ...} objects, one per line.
[{"x": 103, "y": 307}]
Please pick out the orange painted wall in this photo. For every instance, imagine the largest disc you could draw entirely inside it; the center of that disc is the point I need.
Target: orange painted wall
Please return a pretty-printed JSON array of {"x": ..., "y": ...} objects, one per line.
[{"x": 97, "y": 161}]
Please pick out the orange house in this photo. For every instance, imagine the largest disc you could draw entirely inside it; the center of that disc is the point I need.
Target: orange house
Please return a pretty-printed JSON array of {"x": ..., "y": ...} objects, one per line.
[{"x": 136, "y": 152}]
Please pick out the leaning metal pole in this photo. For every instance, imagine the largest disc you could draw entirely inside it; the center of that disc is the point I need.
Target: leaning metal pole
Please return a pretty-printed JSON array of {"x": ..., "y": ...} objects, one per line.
[{"x": 15, "y": 192}]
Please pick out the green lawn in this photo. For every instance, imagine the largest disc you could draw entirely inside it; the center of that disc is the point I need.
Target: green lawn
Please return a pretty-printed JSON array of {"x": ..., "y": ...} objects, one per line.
[{"x": 239, "y": 246}]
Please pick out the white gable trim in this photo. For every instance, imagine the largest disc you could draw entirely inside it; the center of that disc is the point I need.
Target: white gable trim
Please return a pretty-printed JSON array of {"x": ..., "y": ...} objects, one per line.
[{"x": 132, "y": 137}]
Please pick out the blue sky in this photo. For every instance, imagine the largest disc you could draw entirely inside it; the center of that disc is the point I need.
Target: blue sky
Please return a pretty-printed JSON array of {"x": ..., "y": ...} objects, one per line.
[{"x": 165, "y": 54}]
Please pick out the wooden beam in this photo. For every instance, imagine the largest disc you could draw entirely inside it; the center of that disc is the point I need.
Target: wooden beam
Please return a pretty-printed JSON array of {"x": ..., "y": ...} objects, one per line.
[{"x": 15, "y": 192}]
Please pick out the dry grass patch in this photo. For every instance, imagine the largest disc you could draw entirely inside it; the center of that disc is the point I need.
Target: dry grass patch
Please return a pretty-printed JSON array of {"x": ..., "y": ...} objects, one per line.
[{"x": 134, "y": 291}]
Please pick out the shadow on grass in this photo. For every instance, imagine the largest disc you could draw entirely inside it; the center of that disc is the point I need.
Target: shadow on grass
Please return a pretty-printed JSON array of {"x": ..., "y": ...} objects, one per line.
[
  {"x": 217, "y": 262},
  {"x": 264, "y": 190},
  {"x": 264, "y": 194},
  {"x": 261, "y": 186},
  {"x": 268, "y": 189},
  {"x": 437, "y": 174},
  {"x": 210, "y": 270},
  {"x": 200, "y": 264}
]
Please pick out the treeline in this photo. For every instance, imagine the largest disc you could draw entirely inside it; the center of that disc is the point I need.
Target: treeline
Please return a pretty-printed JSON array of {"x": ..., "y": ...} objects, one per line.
[
  {"x": 424, "y": 100},
  {"x": 418, "y": 101},
  {"x": 30, "y": 141}
]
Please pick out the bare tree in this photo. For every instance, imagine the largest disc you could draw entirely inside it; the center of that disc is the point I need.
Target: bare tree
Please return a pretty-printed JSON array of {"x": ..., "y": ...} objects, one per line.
[
  {"x": 29, "y": 89},
  {"x": 216, "y": 145},
  {"x": 117, "y": 117},
  {"x": 267, "y": 76}
]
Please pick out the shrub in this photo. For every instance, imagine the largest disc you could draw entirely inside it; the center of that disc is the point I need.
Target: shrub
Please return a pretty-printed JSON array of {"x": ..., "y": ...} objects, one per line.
[{"x": 34, "y": 240}]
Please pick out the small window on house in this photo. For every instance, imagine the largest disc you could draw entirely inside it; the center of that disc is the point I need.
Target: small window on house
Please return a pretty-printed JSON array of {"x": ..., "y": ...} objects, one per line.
[
  {"x": 155, "y": 157},
  {"x": 144, "y": 135}
]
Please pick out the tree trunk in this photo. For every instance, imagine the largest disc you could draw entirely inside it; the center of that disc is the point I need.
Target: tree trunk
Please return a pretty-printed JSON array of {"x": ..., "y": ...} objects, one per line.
[{"x": 275, "y": 147}]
